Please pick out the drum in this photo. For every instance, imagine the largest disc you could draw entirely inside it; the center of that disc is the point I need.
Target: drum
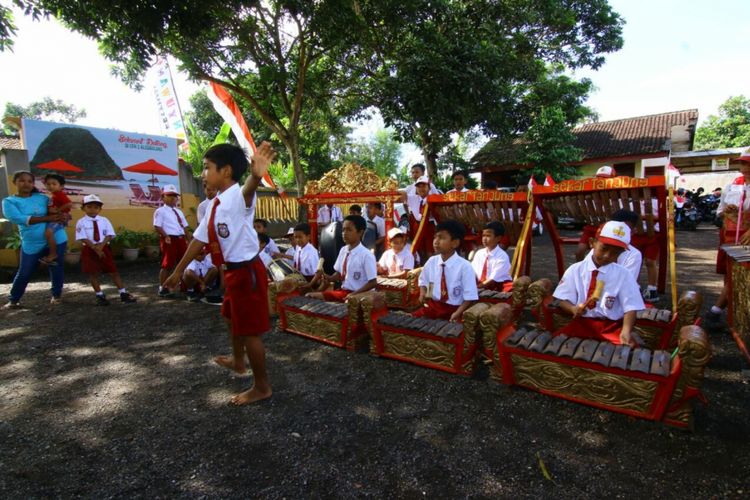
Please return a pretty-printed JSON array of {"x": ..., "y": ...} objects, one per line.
[{"x": 331, "y": 244}]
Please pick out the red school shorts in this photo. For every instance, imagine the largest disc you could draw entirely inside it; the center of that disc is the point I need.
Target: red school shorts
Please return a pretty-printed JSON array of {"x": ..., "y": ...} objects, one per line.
[
  {"x": 435, "y": 310},
  {"x": 647, "y": 245},
  {"x": 246, "y": 300},
  {"x": 500, "y": 286},
  {"x": 91, "y": 263},
  {"x": 172, "y": 253},
  {"x": 336, "y": 295},
  {"x": 593, "y": 328}
]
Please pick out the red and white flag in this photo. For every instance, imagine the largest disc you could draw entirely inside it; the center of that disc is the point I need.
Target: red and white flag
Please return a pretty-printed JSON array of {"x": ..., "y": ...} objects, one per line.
[
  {"x": 532, "y": 183},
  {"x": 548, "y": 180},
  {"x": 226, "y": 106}
]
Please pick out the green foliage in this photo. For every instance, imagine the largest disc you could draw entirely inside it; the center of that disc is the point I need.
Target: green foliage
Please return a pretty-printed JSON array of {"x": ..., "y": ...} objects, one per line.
[
  {"x": 12, "y": 241},
  {"x": 199, "y": 141},
  {"x": 382, "y": 153},
  {"x": 45, "y": 109},
  {"x": 7, "y": 28},
  {"x": 730, "y": 129},
  {"x": 127, "y": 238},
  {"x": 548, "y": 146},
  {"x": 282, "y": 175},
  {"x": 78, "y": 147}
]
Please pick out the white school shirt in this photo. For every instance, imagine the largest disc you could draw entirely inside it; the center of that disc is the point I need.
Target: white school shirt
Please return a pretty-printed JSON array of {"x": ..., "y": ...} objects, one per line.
[
  {"x": 360, "y": 267},
  {"x": 413, "y": 201},
  {"x": 306, "y": 260},
  {"x": 201, "y": 267},
  {"x": 167, "y": 220},
  {"x": 271, "y": 248},
  {"x": 85, "y": 228},
  {"x": 459, "y": 278},
  {"x": 465, "y": 189},
  {"x": 631, "y": 259},
  {"x": 379, "y": 224},
  {"x": 397, "y": 262},
  {"x": 265, "y": 258},
  {"x": 654, "y": 212},
  {"x": 327, "y": 215},
  {"x": 620, "y": 294},
  {"x": 498, "y": 267},
  {"x": 411, "y": 189},
  {"x": 234, "y": 225},
  {"x": 732, "y": 194},
  {"x": 202, "y": 208}
]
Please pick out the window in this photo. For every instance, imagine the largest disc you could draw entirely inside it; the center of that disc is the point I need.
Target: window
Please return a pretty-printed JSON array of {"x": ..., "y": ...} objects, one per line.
[
  {"x": 625, "y": 169},
  {"x": 657, "y": 171}
]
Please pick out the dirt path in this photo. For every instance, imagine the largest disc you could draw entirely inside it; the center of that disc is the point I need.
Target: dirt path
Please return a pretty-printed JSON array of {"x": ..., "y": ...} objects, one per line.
[{"x": 125, "y": 402}]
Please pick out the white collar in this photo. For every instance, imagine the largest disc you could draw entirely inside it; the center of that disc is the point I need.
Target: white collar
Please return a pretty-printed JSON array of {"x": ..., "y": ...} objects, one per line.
[
  {"x": 589, "y": 265},
  {"x": 226, "y": 192},
  {"x": 453, "y": 259}
]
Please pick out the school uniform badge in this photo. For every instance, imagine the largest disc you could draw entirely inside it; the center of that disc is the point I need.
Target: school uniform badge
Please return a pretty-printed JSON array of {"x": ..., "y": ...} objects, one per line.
[
  {"x": 223, "y": 230},
  {"x": 609, "y": 302},
  {"x": 458, "y": 291},
  {"x": 357, "y": 275}
]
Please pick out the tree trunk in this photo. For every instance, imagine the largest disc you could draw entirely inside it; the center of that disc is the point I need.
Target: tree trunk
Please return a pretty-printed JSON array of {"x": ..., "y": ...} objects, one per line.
[
  {"x": 292, "y": 146},
  {"x": 428, "y": 153}
]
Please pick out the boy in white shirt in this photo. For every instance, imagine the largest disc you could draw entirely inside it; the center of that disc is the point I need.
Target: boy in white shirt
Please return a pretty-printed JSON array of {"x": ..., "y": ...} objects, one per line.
[
  {"x": 417, "y": 171},
  {"x": 601, "y": 295},
  {"x": 459, "y": 182},
  {"x": 203, "y": 206},
  {"x": 449, "y": 276},
  {"x": 355, "y": 266},
  {"x": 228, "y": 230},
  {"x": 201, "y": 273},
  {"x": 631, "y": 258},
  {"x": 305, "y": 254},
  {"x": 490, "y": 263},
  {"x": 416, "y": 204},
  {"x": 329, "y": 213},
  {"x": 261, "y": 227},
  {"x": 170, "y": 223},
  {"x": 372, "y": 215},
  {"x": 95, "y": 232},
  {"x": 397, "y": 261}
]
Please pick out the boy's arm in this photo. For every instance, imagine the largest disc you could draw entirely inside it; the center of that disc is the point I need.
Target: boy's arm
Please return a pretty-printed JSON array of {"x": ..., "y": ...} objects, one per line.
[
  {"x": 458, "y": 314},
  {"x": 367, "y": 286},
  {"x": 163, "y": 234},
  {"x": 570, "y": 308},
  {"x": 262, "y": 158},
  {"x": 628, "y": 336}
]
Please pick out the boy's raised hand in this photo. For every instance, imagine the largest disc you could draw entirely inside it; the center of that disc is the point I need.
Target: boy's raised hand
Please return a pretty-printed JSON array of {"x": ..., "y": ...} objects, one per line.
[{"x": 262, "y": 159}]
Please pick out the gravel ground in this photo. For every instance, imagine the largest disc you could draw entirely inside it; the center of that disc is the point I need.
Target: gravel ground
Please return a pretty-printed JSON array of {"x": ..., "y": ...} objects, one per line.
[{"x": 124, "y": 401}]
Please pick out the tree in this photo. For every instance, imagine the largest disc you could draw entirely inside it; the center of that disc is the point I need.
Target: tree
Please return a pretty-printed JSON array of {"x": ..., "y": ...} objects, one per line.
[
  {"x": 483, "y": 64},
  {"x": 548, "y": 146},
  {"x": 382, "y": 153},
  {"x": 46, "y": 109},
  {"x": 730, "y": 129}
]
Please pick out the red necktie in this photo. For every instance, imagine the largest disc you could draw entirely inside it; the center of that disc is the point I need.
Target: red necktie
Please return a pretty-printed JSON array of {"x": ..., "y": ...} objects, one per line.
[
  {"x": 443, "y": 285},
  {"x": 213, "y": 239},
  {"x": 179, "y": 220},
  {"x": 483, "y": 277},
  {"x": 297, "y": 260},
  {"x": 592, "y": 287},
  {"x": 343, "y": 268},
  {"x": 96, "y": 232},
  {"x": 394, "y": 265}
]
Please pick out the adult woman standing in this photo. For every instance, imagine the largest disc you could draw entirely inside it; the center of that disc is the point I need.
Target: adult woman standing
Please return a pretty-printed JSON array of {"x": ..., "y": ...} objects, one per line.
[
  {"x": 734, "y": 209},
  {"x": 28, "y": 210}
]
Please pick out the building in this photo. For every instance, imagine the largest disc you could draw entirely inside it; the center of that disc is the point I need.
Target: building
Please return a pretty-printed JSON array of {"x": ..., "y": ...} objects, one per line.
[{"x": 636, "y": 147}]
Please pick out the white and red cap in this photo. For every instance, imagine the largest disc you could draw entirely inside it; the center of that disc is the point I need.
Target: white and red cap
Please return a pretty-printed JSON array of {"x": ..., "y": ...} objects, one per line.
[
  {"x": 423, "y": 180},
  {"x": 170, "y": 189},
  {"x": 395, "y": 231},
  {"x": 606, "y": 171},
  {"x": 614, "y": 233},
  {"x": 91, "y": 198},
  {"x": 290, "y": 232},
  {"x": 744, "y": 157}
]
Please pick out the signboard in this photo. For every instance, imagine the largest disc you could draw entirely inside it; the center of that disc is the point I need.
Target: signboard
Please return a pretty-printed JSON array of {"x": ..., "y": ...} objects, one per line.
[{"x": 123, "y": 168}]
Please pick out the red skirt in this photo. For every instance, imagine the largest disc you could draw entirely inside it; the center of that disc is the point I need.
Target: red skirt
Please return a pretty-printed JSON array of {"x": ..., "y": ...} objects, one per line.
[
  {"x": 246, "y": 299},
  {"x": 593, "y": 328},
  {"x": 172, "y": 252},
  {"x": 91, "y": 263},
  {"x": 435, "y": 310}
]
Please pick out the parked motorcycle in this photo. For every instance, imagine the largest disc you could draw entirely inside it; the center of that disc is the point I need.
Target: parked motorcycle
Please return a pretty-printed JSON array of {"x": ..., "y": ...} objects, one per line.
[{"x": 686, "y": 216}]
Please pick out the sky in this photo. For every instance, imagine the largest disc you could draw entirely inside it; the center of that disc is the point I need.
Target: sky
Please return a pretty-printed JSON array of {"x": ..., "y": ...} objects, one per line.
[{"x": 677, "y": 55}]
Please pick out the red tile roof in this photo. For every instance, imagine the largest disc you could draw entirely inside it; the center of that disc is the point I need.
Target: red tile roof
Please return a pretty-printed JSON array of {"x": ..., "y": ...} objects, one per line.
[{"x": 640, "y": 135}]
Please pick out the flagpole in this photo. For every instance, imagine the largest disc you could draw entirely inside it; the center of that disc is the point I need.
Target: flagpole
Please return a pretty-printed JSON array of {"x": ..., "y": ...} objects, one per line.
[{"x": 176, "y": 99}]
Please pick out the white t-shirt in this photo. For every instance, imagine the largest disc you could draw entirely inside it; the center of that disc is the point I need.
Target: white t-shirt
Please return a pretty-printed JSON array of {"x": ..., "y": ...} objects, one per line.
[
  {"x": 201, "y": 267},
  {"x": 360, "y": 267},
  {"x": 327, "y": 215},
  {"x": 233, "y": 224},
  {"x": 459, "y": 278},
  {"x": 631, "y": 259},
  {"x": 498, "y": 265},
  {"x": 396, "y": 262},
  {"x": 171, "y": 220},
  {"x": 620, "y": 294},
  {"x": 306, "y": 259},
  {"x": 416, "y": 204},
  {"x": 732, "y": 194},
  {"x": 85, "y": 228}
]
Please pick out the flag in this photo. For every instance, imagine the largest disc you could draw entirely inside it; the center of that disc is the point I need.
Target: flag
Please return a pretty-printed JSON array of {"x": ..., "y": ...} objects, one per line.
[
  {"x": 532, "y": 183},
  {"x": 166, "y": 97},
  {"x": 225, "y": 105},
  {"x": 548, "y": 180}
]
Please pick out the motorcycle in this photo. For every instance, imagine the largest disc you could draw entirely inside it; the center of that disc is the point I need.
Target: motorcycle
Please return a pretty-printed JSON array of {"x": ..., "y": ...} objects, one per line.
[
  {"x": 707, "y": 206},
  {"x": 686, "y": 216}
]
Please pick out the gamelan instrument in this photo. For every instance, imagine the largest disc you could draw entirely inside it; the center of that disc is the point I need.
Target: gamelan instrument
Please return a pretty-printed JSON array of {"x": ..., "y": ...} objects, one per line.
[{"x": 738, "y": 293}]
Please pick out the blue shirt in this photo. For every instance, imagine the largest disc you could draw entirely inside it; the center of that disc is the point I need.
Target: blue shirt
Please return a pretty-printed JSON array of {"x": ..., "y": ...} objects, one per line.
[{"x": 19, "y": 210}]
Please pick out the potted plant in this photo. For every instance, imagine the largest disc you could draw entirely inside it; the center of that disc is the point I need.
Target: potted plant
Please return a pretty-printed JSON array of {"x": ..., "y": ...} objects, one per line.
[
  {"x": 151, "y": 250},
  {"x": 130, "y": 241},
  {"x": 73, "y": 256},
  {"x": 12, "y": 244}
]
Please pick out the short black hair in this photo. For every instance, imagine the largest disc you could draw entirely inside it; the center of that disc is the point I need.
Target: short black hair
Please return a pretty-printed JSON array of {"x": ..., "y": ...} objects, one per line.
[
  {"x": 489, "y": 184},
  {"x": 304, "y": 227},
  {"x": 262, "y": 222},
  {"x": 356, "y": 208},
  {"x": 376, "y": 205},
  {"x": 359, "y": 222},
  {"x": 461, "y": 173},
  {"x": 264, "y": 238},
  {"x": 452, "y": 227},
  {"x": 59, "y": 178},
  {"x": 623, "y": 215},
  {"x": 228, "y": 155},
  {"x": 496, "y": 227},
  {"x": 419, "y": 166}
]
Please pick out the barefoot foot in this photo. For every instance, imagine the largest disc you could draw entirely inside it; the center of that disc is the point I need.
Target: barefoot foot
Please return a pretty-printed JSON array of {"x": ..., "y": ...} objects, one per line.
[
  {"x": 251, "y": 395},
  {"x": 228, "y": 363}
]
